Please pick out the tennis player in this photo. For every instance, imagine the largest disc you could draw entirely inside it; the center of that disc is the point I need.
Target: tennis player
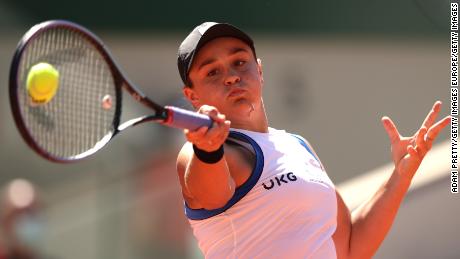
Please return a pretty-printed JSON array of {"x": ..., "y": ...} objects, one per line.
[{"x": 252, "y": 191}]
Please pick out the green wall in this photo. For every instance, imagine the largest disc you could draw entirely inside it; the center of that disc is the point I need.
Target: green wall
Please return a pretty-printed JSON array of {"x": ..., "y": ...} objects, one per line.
[{"x": 400, "y": 17}]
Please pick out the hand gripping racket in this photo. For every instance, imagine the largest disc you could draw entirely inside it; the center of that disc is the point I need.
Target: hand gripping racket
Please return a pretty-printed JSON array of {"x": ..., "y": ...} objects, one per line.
[{"x": 84, "y": 114}]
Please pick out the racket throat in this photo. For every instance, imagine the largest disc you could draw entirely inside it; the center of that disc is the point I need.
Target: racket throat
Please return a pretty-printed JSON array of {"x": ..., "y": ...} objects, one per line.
[{"x": 137, "y": 121}]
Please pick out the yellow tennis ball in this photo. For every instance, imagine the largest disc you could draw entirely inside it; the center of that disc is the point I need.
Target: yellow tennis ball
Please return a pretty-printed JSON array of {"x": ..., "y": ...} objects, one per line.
[{"x": 42, "y": 82}]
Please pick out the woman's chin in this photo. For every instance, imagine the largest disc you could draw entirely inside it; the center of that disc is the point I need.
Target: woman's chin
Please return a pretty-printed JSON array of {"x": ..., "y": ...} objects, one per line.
[{"x": 244, "y": 107}]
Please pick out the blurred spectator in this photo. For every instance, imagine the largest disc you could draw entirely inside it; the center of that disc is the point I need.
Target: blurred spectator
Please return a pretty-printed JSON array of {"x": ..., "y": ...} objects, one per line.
[{"x": 21, "y": 222}]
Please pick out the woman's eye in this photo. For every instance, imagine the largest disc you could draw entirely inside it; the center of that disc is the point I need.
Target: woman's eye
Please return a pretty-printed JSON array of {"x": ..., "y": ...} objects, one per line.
[
  {"x": 212, "y": 72},
  {"x": 240, "y": 63}
]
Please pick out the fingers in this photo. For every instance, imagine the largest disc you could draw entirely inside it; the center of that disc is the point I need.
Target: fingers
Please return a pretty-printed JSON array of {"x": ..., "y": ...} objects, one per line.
[
  {"x": 412, "y": 151},
  {"x": 431, "y": 117},
  {"x": 422, "y": 145},
  {"x": 210, "y": 139},
  {"x": 211, "y": 111},
  {"x": 391, "y": 129},
  {"x": 192, "y": 136},
  {"x": 433, "y": 132},
  {"x": 424, "y": 138},
  {"x": 408, "y": 152}
]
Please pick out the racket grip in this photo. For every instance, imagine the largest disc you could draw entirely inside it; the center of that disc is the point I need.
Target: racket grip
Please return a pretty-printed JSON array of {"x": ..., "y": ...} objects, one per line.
[{"x": 185, "y": 119}]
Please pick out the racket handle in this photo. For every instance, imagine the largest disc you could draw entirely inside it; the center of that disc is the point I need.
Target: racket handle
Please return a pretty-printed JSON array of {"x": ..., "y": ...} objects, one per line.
[{"x": 185, "y": 119}]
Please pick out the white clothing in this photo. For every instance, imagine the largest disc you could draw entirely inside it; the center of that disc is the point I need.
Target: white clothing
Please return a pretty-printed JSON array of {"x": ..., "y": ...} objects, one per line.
[{"x": 286, "y": 209}]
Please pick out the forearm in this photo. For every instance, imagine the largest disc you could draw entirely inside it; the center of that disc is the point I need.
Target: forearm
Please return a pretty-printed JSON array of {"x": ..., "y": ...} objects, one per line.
[
  {"x": 210, "y": 184},
  {"x": 372, "y": 220}
]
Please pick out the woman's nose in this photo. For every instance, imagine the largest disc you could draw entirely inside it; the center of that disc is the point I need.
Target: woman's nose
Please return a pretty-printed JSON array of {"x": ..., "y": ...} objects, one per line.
[{"x": 232, "y": 78}]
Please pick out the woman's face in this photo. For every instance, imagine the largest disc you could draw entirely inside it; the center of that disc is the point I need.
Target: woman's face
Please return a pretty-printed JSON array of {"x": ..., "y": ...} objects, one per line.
[{"x": 225, "y": 74}]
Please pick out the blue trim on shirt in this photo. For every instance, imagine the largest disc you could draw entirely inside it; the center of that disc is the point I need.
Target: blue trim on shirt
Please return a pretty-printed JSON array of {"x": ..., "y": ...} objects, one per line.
[
  {"x": 304, "y": 144},
  {"x": 240, "y": 192}
]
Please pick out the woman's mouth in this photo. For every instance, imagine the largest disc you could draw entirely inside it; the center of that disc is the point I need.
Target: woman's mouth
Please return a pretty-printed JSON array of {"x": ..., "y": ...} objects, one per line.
[{"x": 236, "y": 93}]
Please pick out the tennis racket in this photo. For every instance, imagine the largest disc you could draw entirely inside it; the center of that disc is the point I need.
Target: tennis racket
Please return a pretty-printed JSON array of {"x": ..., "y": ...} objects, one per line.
[{"x": 84, "y": 115}]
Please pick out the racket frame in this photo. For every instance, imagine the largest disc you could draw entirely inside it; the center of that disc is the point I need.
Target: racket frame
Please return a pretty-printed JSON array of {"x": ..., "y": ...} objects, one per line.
[{"x": 162, "y": 114}]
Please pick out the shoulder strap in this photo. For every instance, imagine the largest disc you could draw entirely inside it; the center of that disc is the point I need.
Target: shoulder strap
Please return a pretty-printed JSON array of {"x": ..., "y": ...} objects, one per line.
[{"x": 305, "y": 145}]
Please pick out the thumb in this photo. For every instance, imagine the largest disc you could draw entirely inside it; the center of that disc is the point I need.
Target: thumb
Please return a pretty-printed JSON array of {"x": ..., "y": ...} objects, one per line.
[{"x": 391, "y": 129}]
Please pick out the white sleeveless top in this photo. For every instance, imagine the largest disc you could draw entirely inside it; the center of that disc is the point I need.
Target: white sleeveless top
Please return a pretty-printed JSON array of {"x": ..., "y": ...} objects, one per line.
[{"x": 286, "y": 209}]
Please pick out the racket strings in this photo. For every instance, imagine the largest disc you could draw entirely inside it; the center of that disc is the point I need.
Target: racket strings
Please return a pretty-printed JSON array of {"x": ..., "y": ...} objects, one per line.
[{"x": 74, "y": 122}]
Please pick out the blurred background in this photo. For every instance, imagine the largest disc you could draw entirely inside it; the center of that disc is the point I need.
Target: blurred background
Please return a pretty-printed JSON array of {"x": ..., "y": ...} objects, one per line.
[{"x": 332, "y": 69}]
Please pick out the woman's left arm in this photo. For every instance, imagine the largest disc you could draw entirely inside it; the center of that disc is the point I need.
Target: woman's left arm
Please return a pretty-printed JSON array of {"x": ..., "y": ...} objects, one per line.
[{"x": 360, "y": 234}]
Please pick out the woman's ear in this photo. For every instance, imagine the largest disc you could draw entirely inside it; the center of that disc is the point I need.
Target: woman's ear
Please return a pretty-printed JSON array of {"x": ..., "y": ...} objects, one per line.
[
  {"x": 191, "y": 96},
  {"x": 259, "y": 69}
]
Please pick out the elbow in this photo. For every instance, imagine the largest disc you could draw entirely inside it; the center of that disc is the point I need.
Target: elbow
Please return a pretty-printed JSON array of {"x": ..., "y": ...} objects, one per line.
[
  {"x": 360, "y": 257},
  {"x": 362, "y": 254},
  {"x": 212, "y": 202},
  {"x": 212, "y": 205},
  {"x": 213, "y": 198}
]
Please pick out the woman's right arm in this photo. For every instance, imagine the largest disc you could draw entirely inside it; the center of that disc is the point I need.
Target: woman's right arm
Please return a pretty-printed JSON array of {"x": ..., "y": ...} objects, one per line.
[{"x": 206, "y": 185}]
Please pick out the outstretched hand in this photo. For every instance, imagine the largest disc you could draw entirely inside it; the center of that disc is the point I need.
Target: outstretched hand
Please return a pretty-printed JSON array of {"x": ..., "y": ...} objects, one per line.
[{"x": 408, "y": 152}]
